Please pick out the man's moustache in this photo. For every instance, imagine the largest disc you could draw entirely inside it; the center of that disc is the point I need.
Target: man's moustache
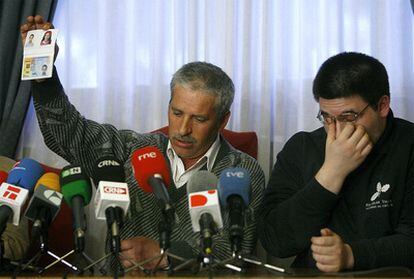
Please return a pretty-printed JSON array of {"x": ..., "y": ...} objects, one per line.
[{"x": 186, "y": 139}]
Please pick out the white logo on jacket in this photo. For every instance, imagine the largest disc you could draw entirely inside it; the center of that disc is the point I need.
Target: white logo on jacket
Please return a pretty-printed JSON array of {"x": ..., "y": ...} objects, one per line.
[
  {"x": 380, "y": 189},
  {"x": 375, "y": 201}
]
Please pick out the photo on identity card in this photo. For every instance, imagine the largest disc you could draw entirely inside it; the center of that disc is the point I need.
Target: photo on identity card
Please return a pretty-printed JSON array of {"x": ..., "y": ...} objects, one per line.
[
  {"x": 36, "y": 67},
  {"x": 38, "y": 53}
]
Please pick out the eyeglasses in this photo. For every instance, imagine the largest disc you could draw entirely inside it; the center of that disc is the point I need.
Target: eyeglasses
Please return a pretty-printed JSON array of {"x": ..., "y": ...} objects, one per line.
[{"x": 344, "y": 117}]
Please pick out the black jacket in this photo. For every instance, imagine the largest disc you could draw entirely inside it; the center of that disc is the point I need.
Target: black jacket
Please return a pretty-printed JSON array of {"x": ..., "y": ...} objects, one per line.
[{"x": 373, "y": 213}]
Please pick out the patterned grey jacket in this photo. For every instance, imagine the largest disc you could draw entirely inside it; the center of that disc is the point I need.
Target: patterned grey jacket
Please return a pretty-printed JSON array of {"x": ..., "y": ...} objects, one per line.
[{"x": 81, "y": 141}]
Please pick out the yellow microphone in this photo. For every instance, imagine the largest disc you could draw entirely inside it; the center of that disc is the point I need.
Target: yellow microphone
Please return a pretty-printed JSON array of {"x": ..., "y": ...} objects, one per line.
[
  {"x": 45, "y": 202},
  {"x": 50, "y": 180}
]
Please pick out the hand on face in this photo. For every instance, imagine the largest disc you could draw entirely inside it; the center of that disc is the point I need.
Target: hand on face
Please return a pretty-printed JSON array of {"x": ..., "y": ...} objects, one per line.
[
  {"x": 139, "y": 249},
  {"x": 331, "y": 253},
  {"x": 345, "y": 150}
]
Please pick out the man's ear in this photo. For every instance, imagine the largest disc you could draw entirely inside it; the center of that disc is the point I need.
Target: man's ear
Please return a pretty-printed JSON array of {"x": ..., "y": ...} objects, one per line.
[
  {"x": 384, "y": 106},
  {"x": 224, "y": 122}
]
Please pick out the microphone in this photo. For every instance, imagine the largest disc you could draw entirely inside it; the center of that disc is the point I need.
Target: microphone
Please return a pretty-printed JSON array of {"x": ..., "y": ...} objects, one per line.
[
  {"x": 15, "y": 191},
  {"x": 234, "y": 193},
  {"x": 77, "y": 192},
  {"x": 3, "y": 176},
  {"x": 204, "y": 207},
  {"x": 7, "y": 211},
  {"x": 44, "y": 205},
  {"x": 112, "y": 196},
  {"x": 152, "y": 174},
  {"x": 25, "y": 173},
  {"x": 12, "y": 199}
]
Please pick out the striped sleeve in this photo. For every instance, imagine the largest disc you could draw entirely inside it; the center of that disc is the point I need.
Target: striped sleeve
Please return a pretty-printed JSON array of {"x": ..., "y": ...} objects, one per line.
[{"x": 70, "y": 135}]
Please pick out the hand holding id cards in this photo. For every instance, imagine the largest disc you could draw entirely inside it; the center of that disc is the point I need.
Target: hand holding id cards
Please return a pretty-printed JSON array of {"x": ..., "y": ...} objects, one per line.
[{"x": 38, "y": 53}]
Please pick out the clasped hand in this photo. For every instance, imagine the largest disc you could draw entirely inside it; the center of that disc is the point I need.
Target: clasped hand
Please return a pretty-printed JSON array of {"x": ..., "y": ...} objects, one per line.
[
  {"x": 330, "y": 252},
  {"x": 138, "y": 249}
]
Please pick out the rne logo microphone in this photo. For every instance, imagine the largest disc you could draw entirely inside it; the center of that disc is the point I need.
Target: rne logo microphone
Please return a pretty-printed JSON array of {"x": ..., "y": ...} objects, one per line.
[
  {"x": 108, "y": 163},
  {"x": 11, "y": 193},
  {"x": 147, "y": 156},
  {"x": 114, "y": 190}
]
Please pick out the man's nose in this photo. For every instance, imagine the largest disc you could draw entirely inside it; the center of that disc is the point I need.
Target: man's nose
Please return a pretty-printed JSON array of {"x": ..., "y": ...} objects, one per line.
[
  {"x": 340, "y": 126},
  {"x": 185, "y": 127}
]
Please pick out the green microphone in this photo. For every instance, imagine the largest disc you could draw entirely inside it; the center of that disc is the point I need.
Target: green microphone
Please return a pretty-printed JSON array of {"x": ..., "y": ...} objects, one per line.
[{"x": 77, "y": 192}]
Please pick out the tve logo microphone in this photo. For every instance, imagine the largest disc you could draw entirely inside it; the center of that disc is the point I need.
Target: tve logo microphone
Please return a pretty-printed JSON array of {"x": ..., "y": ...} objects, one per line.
[
  {"x": 237, "y": 174},
  {"x": 14, "y": 197}
]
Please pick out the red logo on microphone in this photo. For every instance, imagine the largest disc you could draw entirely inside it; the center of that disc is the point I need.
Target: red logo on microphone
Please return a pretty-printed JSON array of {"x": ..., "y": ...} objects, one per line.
[
  {"x": 199, "y": 199},
  {"x": 114, "y": 190},
  {"x": 11, "y": 193}
]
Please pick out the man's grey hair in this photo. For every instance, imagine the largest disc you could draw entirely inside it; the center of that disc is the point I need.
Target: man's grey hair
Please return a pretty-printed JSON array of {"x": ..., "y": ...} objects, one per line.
[{"x": 206, "y": 77}]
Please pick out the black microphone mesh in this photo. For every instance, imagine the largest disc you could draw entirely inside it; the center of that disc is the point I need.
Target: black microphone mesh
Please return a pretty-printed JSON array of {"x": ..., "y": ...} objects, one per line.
[{"x": 108, "y": 168}]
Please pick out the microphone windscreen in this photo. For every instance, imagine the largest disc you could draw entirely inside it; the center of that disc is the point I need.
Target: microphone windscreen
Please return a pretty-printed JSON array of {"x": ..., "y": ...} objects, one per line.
[
  {"x": 14, "y": 197},
  {"x": 44, "y": 199},
  {"x": 75, "y": 183},
  {"x": 3, "y": 176},
  {"x": 203, "y": 198},
  {"x": 146, "y": 162},
  {"x": 25, "y": 173},
  {"x": 108, "y": 168},
  {"x": 234, "y": 181},
  {"x": 201, "y": 181},
  {"x": 6, "y": 164},
  {"x": 50, "y": 180}
]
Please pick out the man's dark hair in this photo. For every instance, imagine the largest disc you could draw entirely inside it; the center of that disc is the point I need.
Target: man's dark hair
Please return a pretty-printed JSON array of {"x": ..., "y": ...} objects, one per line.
[{"x": 351, "y": 73}]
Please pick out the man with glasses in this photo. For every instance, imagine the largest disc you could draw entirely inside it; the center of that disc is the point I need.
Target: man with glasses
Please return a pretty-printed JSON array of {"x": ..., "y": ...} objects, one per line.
[{"x": 341, "y": 197}]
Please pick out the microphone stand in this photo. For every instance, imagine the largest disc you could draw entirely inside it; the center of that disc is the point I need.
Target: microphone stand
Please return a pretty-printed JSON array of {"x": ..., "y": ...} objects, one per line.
[
  {"x": 9, "y": 265},
  {"x": 164, "y": 232},
  {"x": 237, "y": 257},
  {"x": 205, "y": 258},
  {"x": 80, "y": 255},
  {"x": 4, "y": 264},
  {"x": 40, "y": 232},
  {"x": 236, "y": 237},
  {"x": 114, "y": 219},
  {"x": 79, "y": 220},
  {"x": 205, "y": 261}
]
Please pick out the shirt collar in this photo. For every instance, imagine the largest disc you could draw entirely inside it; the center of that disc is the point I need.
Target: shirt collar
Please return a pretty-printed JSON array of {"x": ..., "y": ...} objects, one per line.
[{"x": 210, "y": 156}]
